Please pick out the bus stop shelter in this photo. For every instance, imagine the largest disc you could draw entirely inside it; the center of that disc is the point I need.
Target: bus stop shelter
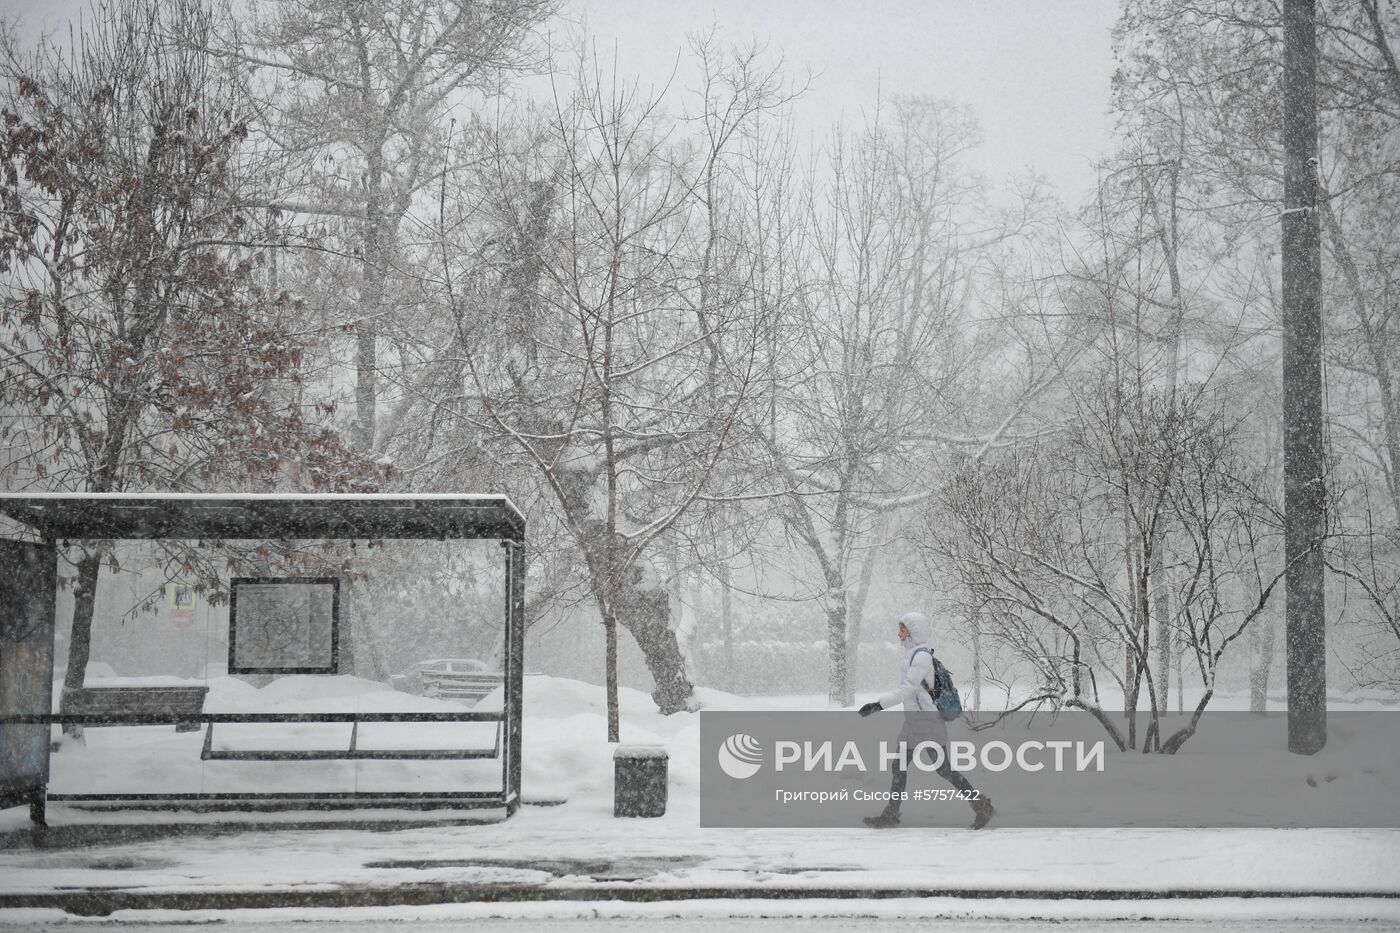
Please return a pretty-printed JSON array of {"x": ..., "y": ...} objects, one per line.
[{"x": 42, "y": 522}]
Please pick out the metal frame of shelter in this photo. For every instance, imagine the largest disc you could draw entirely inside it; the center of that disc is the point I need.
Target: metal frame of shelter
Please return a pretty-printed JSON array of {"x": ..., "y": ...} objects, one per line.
[{"x": 28, "y": 573}]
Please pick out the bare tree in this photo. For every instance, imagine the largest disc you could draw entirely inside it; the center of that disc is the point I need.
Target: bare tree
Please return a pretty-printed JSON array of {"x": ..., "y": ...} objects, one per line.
[
  {"x": 633, "y": 342},
  {"x": 1231, "y": 81},
  {"x": 1038, "y": 543},
  {"x": 142, "y": 346},
  {"x": 363, "y": 92},
  {"x": 882, "y": 346}
]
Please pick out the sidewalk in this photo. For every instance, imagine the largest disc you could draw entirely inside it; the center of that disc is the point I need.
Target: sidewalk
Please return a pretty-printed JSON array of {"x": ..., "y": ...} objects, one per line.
[{"x": 573, "y": 854}]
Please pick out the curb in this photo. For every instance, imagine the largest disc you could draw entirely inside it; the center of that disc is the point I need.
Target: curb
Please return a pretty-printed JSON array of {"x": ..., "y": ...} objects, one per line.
[{"x": 99, "y": 903}]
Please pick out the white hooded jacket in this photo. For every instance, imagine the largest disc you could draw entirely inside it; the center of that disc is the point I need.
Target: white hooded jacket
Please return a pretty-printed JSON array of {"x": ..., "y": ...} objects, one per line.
[
  {"x": 915, "y": 670},
  {"x": 920, "y": 714}
]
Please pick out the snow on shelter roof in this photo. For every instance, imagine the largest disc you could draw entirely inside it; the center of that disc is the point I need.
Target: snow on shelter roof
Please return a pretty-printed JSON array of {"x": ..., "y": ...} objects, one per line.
[{"x": 269, "y": 515}]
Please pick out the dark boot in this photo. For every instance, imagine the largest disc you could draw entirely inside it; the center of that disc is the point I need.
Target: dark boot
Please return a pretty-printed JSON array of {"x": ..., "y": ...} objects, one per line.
[
  {"x": 984, "y": 811},
  {"x": 888, "y": 819}
]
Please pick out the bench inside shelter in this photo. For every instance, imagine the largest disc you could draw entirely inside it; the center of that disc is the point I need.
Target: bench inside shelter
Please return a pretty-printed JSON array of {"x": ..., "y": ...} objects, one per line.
[
  {"x": 184, "y": 706},
  {"x": 136, "y": 706},
  {"x": 354, "y": 751}
]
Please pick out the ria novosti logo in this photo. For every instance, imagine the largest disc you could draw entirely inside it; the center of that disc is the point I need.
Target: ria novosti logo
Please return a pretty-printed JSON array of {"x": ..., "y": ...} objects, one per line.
[{"x": 740, "y": 756}]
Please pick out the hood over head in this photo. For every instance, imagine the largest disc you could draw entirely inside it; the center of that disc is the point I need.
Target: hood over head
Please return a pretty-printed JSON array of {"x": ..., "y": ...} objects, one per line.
[{"x": 917, "y": 624}]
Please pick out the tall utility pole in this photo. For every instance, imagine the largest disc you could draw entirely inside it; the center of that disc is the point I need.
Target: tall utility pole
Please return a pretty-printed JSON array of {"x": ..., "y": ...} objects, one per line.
[{"x": 1304, "y": 456}]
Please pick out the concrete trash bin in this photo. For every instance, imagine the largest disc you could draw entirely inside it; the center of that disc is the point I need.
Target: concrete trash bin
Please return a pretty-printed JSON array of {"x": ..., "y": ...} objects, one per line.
[{"x": 639, "y": 780}]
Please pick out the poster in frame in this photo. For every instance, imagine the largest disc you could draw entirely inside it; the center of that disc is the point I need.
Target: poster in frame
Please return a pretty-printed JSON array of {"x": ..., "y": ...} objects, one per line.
[{"x": 284, "y": 625}]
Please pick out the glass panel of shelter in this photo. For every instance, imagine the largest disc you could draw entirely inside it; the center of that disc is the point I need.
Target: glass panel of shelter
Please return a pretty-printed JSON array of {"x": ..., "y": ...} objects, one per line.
[{"x": 162, "y": 620}]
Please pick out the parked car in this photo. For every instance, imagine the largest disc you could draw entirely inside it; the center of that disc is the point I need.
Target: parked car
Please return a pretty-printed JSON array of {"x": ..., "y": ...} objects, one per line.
[{"x": 448, "y": 678}]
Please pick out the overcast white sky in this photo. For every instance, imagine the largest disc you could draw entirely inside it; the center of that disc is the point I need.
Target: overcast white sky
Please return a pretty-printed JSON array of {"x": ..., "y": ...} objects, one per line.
[{"x": 1035, "y": 71}]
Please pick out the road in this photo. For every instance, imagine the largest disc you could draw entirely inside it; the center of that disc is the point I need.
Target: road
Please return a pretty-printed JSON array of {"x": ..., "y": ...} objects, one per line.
[{"x": 843, "y": 924}]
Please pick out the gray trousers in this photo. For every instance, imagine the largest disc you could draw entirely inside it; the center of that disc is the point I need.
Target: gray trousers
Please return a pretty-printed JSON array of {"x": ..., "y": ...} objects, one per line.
[{"x": 924, "y": 727}]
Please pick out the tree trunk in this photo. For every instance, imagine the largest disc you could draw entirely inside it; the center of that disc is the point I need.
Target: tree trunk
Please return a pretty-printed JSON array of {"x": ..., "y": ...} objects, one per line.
[
  {"x": 726, "y": 620},
  {"x": 1168, "y": 234},
  {"x": 976, "y": 661},
  {"x": 1144, "y": 669},
  {"x": 1130, "y": 648},
  {"x": 625, "y": 598},
  {"x": 1130, "y": 693},
  {"x": 80, "y": 633},
  {"x": 1180, "y": 672},
  {"x": 1304, "y": 454},
  {"x": 610, "y": 674},
  {"x": 854, "y": 625},
  {"x": 366, "y": 394},
  {"x": 347, "y": 645},
  {"x": 1161, "y": 606},
  {"x": 1263, "y": 638},
  {"x": 372, "y": 275},
  {"x": 838, "y": 677},
  {"x": 687, "y": 624},
  {"x": 646, "y": 613}
]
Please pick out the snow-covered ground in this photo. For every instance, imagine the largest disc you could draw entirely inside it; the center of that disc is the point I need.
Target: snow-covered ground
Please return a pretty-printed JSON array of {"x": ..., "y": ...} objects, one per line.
[
  {"x": 580, "y": 844},
  {"x": 1235, "y": 772},
  {"x": 896, "y": 916},
  {"x": 565, "y": 757}
]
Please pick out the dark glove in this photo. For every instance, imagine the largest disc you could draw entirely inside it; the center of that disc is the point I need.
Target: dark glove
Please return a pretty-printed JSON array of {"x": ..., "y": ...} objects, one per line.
[{"x": 869, "y": 708}]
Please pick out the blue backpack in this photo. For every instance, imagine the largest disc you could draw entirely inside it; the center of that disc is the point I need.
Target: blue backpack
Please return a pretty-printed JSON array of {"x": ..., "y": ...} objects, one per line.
[{"x": 941, "y": 690}]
